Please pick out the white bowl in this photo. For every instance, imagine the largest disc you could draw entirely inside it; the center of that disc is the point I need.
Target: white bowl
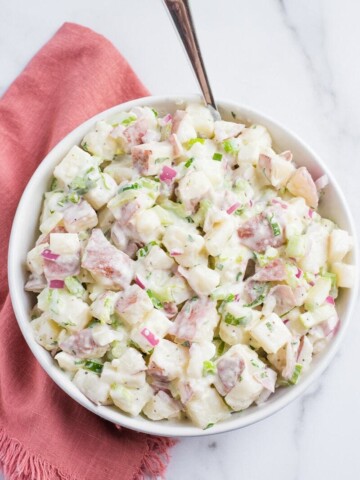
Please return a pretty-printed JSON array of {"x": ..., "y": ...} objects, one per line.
[{"x": 25, "y": 231}]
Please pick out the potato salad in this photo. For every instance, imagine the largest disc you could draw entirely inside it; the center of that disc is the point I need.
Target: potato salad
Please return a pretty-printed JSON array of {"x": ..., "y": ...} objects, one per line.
[{"x": 182, "y": 269}]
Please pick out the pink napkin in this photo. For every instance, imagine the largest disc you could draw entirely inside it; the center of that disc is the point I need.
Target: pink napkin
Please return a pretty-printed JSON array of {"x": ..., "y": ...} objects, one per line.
[{"x": 44, "y": 434}]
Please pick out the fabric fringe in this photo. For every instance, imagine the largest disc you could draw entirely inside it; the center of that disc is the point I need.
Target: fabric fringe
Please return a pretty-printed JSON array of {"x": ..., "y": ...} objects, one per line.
[
  {"x": 19, "y": 464},
  {"x": 156, "y": 458}
]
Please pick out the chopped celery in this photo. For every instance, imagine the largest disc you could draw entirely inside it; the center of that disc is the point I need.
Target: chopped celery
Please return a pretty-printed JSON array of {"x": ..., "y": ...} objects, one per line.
[
  {"x": 217, "y": 156},
  {"x": 296, "y": 246},
  {"x": 177, "y": 208},
  {"x": 156, "y": 302},
  {"x": 74, "y": 286},
  {"x": 296, "y": 374}
]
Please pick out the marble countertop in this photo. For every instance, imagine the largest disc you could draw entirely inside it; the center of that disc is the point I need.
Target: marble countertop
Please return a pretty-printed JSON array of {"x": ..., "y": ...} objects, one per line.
[{"x": 298, "y": 61}]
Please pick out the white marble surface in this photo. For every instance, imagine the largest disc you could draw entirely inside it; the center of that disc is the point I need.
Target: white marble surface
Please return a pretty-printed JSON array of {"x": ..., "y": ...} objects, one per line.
[{"x": 298, "y": 61}]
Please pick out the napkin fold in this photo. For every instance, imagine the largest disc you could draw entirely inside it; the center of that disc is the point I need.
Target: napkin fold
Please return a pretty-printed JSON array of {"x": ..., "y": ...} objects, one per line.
[{"x": 44, "y": 434}]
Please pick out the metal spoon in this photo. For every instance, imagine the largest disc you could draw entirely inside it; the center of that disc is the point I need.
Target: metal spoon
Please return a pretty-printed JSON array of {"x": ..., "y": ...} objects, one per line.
[{"x": 180, "y": 13}]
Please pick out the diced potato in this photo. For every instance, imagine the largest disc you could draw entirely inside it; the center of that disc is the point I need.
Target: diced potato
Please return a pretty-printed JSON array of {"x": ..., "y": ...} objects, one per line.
[
  {"x": 64, "y": 243},
  {"x": 133, "y": 305},
  {"x": 199, "y": 353},
  {"x": 74, "y": 164},
  {"x": 46, "y": 331},
  {"x": 150, "y": 158},
  {"x": 51, "y": 222},
  {"x": 162, "y": 406},
  {"x": 90, "y": 384},
  {"x": 130, "y": 400},
  {"x": 104, "y": 335},
  {"x": 168, "y": 359},
  {"x": 345, "y": 274},
  {"x": 316, "y": 248},
  {"x": 128, "y": 370},
  {"x": 120, "y": 170},
  {"x": 219, "y": 235},
  {"x": 245, "y": 392},
  {"x": 34, "y": 260},
  {"x": 103, "y": 191},
  {"x": 65, "y": 309},
  {"x": 202, "y": 280},
  {"x": 206, "y": 408},
  {"x": 202, "y": 119},
  {"x": 103, "y": 306},
  {"x": 147, "y": 334},
  {"x": 318, "y": 293},
  {"x": 235, "y": 322},
  {"x": 158, "y": 259},
  {"x": 271, "y": 333},
  {"x": 99, "y": 142},
  {"x": 183, "y": 127},
  {"x": 193, "y": 187},
  {"x": 68, "y": 362},
  {"x": 321, "y": 314},
  {"x": 148, "y": 226},
  {"x": 106, "y": 219},
  {"x": 340, "y": 242},
  {"x": 185, "y": 248}
]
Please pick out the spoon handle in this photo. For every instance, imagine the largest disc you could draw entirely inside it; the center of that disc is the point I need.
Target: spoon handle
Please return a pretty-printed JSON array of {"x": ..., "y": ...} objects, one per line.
[{"x": 180, "y": 13}]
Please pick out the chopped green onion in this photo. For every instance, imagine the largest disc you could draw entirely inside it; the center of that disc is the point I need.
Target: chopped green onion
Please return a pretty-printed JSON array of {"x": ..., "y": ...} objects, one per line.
[
  {"x": 209, "y": 425},
  {"x": 230, "y": 146},
  {"x": 134, "y": 186},
  {"x": 93, "y": 366},
  {"x": 85, "y": 147},
  {"x": 142, "y": 252},
  {"x": 189, "y": 162},
  {"x": 209, "y": 368},
  {"x": 54, "y": 184},
  {"x": 217, "y": 156},
  {"x": 155, "y": 112},
  {"x": 127, "y": 121},
  {"x": 192, "y": 142}
]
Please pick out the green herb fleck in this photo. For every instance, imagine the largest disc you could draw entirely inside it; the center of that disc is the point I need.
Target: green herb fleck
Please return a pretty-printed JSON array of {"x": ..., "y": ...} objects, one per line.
[
  {"x": 217, "y": 156},
  {"x": 127, "y": 121},
  {"x": 209, "y": 368},
  {"x": 230, "y": 146},
  {"x": 232, "y": 320},
  {"x": 274, "y": 226}
]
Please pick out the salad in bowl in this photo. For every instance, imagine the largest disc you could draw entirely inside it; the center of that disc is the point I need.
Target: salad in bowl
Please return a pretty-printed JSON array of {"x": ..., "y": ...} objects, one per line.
[{"x": 183, "y": 269}]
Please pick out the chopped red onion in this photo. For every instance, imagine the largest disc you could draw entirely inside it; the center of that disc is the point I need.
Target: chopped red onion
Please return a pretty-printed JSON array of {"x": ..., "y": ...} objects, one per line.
[
  {"x": 49, "y": 255},
  {"x": 311, "y": 212},
  {"x": 150, "y": 337},
  {"x": 298, "y": 273},
  {"x": 139, "y": 282},
  {"x": 330, "y": 300},
  {"x": 232, "y": 209},
  {"x": 167, "y": 175},
  {"x": 174, "y": 253},
  {"x": 56, "y": 284}
]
